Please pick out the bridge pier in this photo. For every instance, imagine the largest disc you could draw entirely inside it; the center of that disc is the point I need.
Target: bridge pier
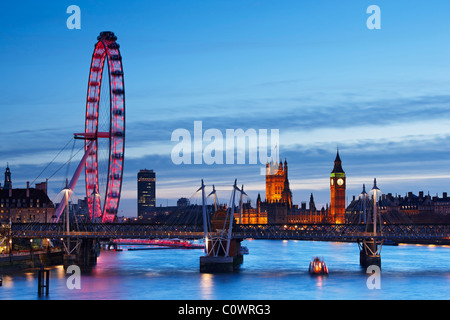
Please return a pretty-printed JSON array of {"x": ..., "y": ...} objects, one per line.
[
  {"x": 84, "y": 254},
  {"x": 69, "y": 259},
  {"x": 217, "y": 261},
  {"x": 89, "y": 252},
  {"x": 369, "y": 252}
]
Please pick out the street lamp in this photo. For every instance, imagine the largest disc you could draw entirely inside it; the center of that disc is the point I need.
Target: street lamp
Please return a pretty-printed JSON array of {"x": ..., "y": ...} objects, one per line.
[
  {"x": 363, "y": 195},
  {"x": 376, "y": 192}
]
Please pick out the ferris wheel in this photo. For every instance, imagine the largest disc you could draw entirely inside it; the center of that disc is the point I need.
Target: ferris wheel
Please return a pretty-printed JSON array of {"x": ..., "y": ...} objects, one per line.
[{"x": 104, "y": 133}]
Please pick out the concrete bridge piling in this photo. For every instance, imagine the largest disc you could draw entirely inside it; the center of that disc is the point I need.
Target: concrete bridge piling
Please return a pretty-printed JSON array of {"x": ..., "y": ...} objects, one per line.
[
  {"x": 84, "y": 253},
  {"x": 370, "y": 252}
]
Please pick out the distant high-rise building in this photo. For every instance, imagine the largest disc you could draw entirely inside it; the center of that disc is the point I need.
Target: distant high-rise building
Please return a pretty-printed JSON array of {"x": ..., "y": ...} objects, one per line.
[{"x": 146, "y": 190}]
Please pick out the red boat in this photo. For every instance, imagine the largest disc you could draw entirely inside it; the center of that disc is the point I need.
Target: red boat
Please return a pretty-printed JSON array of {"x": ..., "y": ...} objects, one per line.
[{"x": 318, "y": 267}]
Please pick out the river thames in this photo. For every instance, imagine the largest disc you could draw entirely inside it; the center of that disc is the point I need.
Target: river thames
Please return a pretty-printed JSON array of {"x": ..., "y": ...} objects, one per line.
[{"x": 273, "y": 270}]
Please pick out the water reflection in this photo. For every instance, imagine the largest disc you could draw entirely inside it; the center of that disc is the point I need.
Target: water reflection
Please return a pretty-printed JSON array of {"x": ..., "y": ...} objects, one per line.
[
  {"x": 59, "y": 271},
  {"x": 207, "y": 286},
  {"x": 319, "y": 281},
  {"x": 272, "y": 270},
  {"x": 29, "y": 276},
  {"x": 7, "y": 282}
]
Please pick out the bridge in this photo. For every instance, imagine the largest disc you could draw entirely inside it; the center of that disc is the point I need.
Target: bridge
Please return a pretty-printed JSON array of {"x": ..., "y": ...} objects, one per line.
[
  {"x": 93, "y": 233},
  {"x": 397, "y": 233},
  {"x": 81, "y": 241}
]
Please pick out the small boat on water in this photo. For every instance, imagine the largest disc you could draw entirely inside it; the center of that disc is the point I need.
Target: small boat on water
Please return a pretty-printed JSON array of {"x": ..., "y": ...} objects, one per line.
[
  {"x": 1, "y": 280},
  {"x": 318, "y": 267}
]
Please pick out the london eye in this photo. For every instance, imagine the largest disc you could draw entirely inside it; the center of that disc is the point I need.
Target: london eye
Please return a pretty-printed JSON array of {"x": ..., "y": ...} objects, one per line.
[{"x": 104, "y": 133}]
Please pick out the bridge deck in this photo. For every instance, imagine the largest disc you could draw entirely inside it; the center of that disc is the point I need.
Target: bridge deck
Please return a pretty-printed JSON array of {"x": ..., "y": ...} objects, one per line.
[{"x": 420, "y": 234}]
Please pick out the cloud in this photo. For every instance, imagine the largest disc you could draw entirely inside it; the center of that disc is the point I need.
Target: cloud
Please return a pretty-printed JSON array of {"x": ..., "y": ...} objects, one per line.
[
  {"x": 394, "y": 137},
  {"x": 300, "y": 114}
]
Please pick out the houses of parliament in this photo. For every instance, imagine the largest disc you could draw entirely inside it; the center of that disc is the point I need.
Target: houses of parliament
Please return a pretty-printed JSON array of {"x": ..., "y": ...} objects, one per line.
[{"x": 277, "y": 207}]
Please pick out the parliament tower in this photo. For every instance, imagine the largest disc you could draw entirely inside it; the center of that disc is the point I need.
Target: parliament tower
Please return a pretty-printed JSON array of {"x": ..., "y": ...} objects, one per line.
[
  {"x": 337, "y": 188},
  {"x": 277, "y": 184}
]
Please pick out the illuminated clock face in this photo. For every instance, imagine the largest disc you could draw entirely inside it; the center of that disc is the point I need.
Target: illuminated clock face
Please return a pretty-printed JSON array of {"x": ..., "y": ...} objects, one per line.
[
  {"x": 332, "y": 181},
  {"x": 340, "y": 182}
]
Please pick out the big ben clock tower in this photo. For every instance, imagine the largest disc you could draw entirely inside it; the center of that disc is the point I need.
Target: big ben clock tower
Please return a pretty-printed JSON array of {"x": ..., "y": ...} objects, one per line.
[{"x": 337, "y": 188}]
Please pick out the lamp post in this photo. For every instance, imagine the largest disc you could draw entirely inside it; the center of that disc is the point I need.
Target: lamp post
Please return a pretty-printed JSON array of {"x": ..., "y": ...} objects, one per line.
[
  {"x": 10, "y": 249},
  {"x": 363, "y": 195},
  {"x": 376, "y": 192},
  {"x": 94, "y": 195}
]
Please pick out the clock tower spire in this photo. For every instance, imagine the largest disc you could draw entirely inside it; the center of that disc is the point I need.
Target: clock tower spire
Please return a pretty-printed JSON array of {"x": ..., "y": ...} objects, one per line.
[{"x": 337, "y": 188}]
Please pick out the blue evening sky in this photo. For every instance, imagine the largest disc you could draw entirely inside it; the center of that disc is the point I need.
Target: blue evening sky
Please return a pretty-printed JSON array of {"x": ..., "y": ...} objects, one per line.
[{"x": 311, "y": 69}]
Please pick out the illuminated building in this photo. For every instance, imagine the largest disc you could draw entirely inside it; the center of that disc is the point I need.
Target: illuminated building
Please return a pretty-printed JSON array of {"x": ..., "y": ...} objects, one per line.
[
  {"x": 277, "y": 183},
  {"x": 146, "y": 186},
  {"x": 278, "y": 207},
  {"x": 306, "y": 215},
  {"x": 24, "y": 205},
  {"x": 407, "y": 209},
  {"x": 337, "y": 188},
  {"x": 251, "y": 215}
]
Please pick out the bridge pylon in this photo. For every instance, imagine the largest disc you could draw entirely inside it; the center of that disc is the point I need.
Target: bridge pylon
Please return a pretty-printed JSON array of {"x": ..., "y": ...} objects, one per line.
[
  {"x": 370, "y": 247},
  {"x": 222, "y": 251},
  {"x": 80, "y": 252}
]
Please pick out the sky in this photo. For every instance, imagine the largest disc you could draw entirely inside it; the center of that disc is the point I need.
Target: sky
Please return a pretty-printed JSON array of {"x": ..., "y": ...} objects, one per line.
[{"x": 311, "y": 69}]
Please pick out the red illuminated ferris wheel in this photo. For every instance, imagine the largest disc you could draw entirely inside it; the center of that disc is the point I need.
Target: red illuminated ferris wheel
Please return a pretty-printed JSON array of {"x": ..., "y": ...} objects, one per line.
[
  {"x": 104, "y": 133},
  {"x": 105, "y": 124}
]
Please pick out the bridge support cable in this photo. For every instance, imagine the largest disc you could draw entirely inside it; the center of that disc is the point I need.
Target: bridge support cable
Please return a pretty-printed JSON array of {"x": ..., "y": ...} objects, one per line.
[
  {"x": 50, "y": 163},
  {"x": 72, "y": 183},
  {"x": 241, "y": 204},
  {"x": 214, "y": 193},
  {"x": 206, "y": 220},
  {"x": 206, "y": 226},
  {"x": 231, "y": 218}
]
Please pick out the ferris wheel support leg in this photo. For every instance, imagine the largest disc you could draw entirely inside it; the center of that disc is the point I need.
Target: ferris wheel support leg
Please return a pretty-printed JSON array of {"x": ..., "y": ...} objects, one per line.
[{"x": 73, "y": 183}]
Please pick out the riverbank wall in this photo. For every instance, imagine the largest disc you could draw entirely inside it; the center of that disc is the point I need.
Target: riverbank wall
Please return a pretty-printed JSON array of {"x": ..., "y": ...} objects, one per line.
[{"x": 35, "y": 259}]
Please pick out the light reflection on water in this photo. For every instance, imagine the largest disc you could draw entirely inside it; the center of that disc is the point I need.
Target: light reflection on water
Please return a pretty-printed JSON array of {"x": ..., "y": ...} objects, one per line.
[{"x": 272, "y": 270}]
